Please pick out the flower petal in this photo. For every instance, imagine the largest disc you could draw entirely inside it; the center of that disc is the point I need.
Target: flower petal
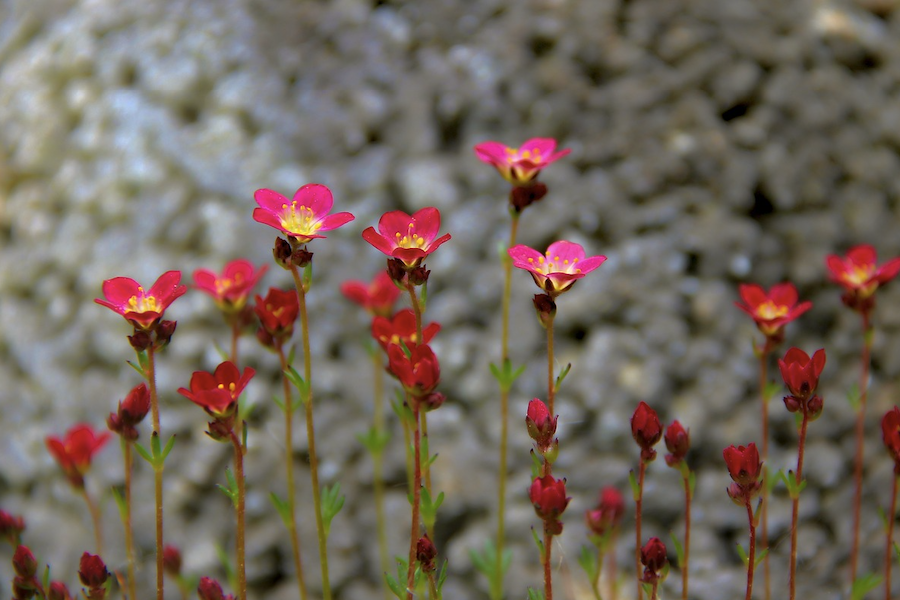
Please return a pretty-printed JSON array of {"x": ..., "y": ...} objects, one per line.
[
  {"x": 270, "y": 200},
  {"x": 378, "y": 240},
  {"x": 119, "y": 290},
  {"x": 783, "y": 294},
  {"x": 520, "y": 254},
  {"x": 393, "y": 222},
  {"x": 542, "y": 146},
  {"x": 334, "y": 221},
  {"x": 316, "y": 197},
  {"x": 491, "y": 152}
]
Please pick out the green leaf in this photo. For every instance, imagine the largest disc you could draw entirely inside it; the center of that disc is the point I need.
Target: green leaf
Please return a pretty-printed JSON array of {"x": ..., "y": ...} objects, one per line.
[
  {"x": 534, "y": 594},
  {"x": 144, "y": 361},
  {"x": 395, "y": 587},
  {"x": 897, "y": 550},
  {"x": 679, "y": 549},
  {"x": 120, "y": 503},
  {"x": 772, "y": 389},
  {"x": 863, "y": 585},
  {"x": 562, "y": 376},
  {"x": 538, "y": 542},
  {"x": 143, "y": 453},
  {"x": 505, "y": 375},
  {"x": 291, "y": 354},
  {"x": 374, "y": 441},
  {"x": 635, "y": 488},
  {"x": 226, "y": 566},
  {"x": 332, "y": 503},
  {"x": 140, "y": 371},
  {"x": 537, "y": 464},
  {"x": 794, "y": 487},
  {"x": 430, "y": 507},
  {"x": 772, "y": 481},
  {"x": 854, "y": 397},
  {"x": 154, "y": 446},
  {"x": 45, "y": 578},
  {"x": 307, "y": 277},
  {"x": 301, "y": 385},
  {"x": 588, "y": 561},
  {"x": 423, "y": 297},
  {"x": 884, "y": 519},
  {"x": 760, "y": 556},
  {"x": 278, "y": 402},
  {"x": 168, "y": 448},
  {"x": 692, "y": 483},
  {"x": 230, "y": 490},
  {"x": 442, "y": 576},
  {"x": 283, "y": 507},
  {"x": 743, "y": 554}
]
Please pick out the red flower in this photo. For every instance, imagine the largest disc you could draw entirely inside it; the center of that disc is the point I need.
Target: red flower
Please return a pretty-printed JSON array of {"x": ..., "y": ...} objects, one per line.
[
  {"x": 230, "y": 290},
  {"x": 304, "y": 216},
  {"x": 860, "y": 276},
  {"x": 11, "y": 527},
  {"x": 654, "y": 559},
  {"x": 24, "y": 563},
  {"x": 608, "y": 513},
  {"x": 142, "y": 309},
  {"x": 172, "y": 560},
  {"x": 890, "y": 431},
  {"x": 408, "y": 238},
  {"x": 556, "y": 271},
  {"x": 377, "y": 298},
  {"x": 520, "y": 166},
  {"x": 743, "y": 463},
  {"x": 541, "y": 425},
  {"x": 800, "y": 373},
  {"x": 401, "y": 327},
  {"x": 548, "y": 495},
  {"x": 277, "y": 313},
  {"x": 418, "y": 373},
  {"x": 772, "y": 310},
  {"x": 58, "y": 591},
  {"x": 75, "y": 451},
  {"x": 92, "y": 571},
  {"x": 678, "y": 442},
  {"x": 217, "y": 393},
  {"x": 426, "y": 553},
  {"x": 130, "y": 413},
  {"x": 646, "y": 430},
  {"x": 209, "y": 589}
]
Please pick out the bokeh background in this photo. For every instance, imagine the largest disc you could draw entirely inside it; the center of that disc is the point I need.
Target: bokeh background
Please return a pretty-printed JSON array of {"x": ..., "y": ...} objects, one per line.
[{"x": 713, "y": 143}]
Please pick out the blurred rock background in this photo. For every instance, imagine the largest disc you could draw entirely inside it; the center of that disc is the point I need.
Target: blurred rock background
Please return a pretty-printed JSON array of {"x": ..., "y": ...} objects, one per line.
[{"x": 713, "y": 143}]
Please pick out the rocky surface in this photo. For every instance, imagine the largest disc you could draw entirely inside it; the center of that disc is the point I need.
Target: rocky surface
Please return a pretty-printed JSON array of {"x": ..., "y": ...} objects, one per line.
[{"x": 713, "y": 143}]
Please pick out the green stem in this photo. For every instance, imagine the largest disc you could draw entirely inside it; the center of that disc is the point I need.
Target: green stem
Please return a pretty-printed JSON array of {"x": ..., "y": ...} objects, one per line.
[
  {"x": 795, "y": 509},
  {"x": 239, "y": 515},
  {"x": 310, "y": 434},
  {"x": 126, "y": 520},
  {"x": 157, "y": 473},
  {"x": 378, "y": 469},
  {"x": 860, "y": 435},
  {"x": 289, "y": 470},
  {"x": 497, "y": 580},
  {"x": 595, "y": 583},
  {"x": 417, "y": 499}
]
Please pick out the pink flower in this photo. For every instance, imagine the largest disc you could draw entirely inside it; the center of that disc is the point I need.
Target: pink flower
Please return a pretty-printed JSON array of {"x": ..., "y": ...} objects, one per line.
[
  {"x": 405, "y": 237},
  {"x": 556, "y": 271},
  {"x": 402, "y": 327},
  {"x": 75, "y": 451},
  {"x": 860, "y": 276},
  {"x": 377, "y": 298},
  {"x": 230, "y": 290},
  {"x": 217, "y": 393},
  {"x": 772, "y": 310},
  {"x": 520, "y": 166},
  {"x": 304, "y": 216},
  {"x": 141, "y": 308}
]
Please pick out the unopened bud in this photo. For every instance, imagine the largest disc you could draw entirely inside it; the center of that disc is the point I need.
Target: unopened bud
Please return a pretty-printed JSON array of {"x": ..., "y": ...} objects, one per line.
[
  {"x": 281, "y": 252},
  {"x": 419, "y": 275},
  {"x": 301, "y": 257},
  {"x": 546, "y": 309},
  {"x": 24, "y": 563},
  {"x": 426, "y": 553},
  {"x": 140, "y": 341},
  {"x": 521, "y": 198},
  {"x": 396, "y": 269}
]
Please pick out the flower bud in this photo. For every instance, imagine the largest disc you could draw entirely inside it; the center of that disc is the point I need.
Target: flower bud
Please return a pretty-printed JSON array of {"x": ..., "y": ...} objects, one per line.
[
  {"x": 541, "y": 426},
  {"x": 172, "y": 560},
  {"x": 646, "y": 430},
  {"x": 209, "y": 589},
  {"x": 521, "y": 197},
  {"x": 548, "y": 495},
  {"x": 301, "y": 257},
  {"x": 890, "y": 432},
  {"x": 164, "y": 332},
  {"x": 418, "y": 275},
  {"x": 792, "y": 403},
  {"x": 282, "y": 252},
  {"x": 545, "y": 308},
  {"x": 24, "y": 563},
  {"x": 23, "y": 588},
  {"x": 396, "y": 269},
  {"x": 426, "y": 553},
  {"x": 58, "y": 591},
  {"x": 814, "y": 407},
  {"x": 11, "y": 527},
  {"x": 678, "y": 442},
  {"x": 92, "y": 571},
  {"x": 654, "y": 559},
  {"x": 743, "y": 463},
  {"x": 608, "y": 513},
  {"x": 432, "y": 401},
  {"x": 140, "y": 341}
]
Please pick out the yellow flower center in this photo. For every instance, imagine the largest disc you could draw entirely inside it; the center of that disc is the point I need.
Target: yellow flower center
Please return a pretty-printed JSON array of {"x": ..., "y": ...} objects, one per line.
[
  {"x": 231, "y": 387},
  {"x": 768, "y": 310},
  {"x": 411, "y": 239},
  {"x": 513, "y": 155},
  {"x": 299, "y": 219},
  {"x": 140, "y": 303},
  {"x": 547, "y": 267},
  {"x": 224, "y": 285},
  {"x": 859, "y": 275}
]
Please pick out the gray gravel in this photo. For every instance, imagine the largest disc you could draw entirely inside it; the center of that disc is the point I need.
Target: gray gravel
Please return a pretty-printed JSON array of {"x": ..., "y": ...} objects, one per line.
[{"x": 713, "y": 143}]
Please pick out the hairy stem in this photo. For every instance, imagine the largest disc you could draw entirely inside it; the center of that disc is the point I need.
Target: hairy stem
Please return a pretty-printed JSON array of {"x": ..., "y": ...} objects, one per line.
[
  {"x": 685, "y": 569},
  {"x": 795, "y": 509},
  {"x": 751, "y": 563},
  {"x": 637, "y": 529},
  {"x": 126, "y": 519},
  {"x": 95, "y": 519},
  {"x": 889, "y": 550},
  {"x": 764, "y": 403},
  {"x": 548, "y": 573},
  {"x": 157, "y": 472},
  {"x": 378, "y": 468},
  {"x": 860, "y": 435},
  {"x": 239, "y": 515},
  {"x": 417, "y": 499}
]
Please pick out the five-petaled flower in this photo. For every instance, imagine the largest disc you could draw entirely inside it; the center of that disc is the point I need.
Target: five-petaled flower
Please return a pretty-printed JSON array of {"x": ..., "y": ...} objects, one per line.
[
  {"x": 407, "y": 238},
  {"x": 231, "y": 289},
  {"x": 860, "y": 276},
  {"x": 75, "y": 451},
  {"x": 558, "y": 270},
  {"x": 141, "y": 308},
  {"x": 801, "y": 376},
  {"x": 217, "y": 393},
  {"x": 646, "y": 430},
  {"x": 401, "y": 327},
  {"x": 419, "y": 373},
  {"x": 773, "y": 310},
  {"x": 304, "y": 216},
  {"x": 277, "y": 313},
  {"x": 520, "y": 166},
  {"x": 377, "y": 298},
  {"x": 890, "y": 431}
]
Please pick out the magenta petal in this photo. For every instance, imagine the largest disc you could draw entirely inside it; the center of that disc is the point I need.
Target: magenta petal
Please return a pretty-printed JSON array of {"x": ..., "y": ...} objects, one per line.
[
  {"x": 205, "y": 280},
  {"x": 752, "y": 294},
  {"x": 520, "y": 254},
  {"x": 408, "y": 255},
  {"x": 557, "y": 155},
  {"x": 167, "y": 286},
  {"x": 393, "y": 222},
  {"x": 491, "y": 152},
  {"x": 336, "y": 220},
  {"x": 590, "y": 263},
  {"x": 783, "y": 294},
  {"x": 436, "y": 243},
  {"x": 266, "y": 217},
  {"x": 270, "y": 200},
  {"x": 544, "y": 146},
  {"x": 119, "y": 290},
  {"x": 565, "y": 251},
  {"x": 378, "y": 240},
  {"x": 428, "y": 222},
  {"x": 316, "y": 197},
  {"x": 836, "y": 266},
  {"x": 888, "y": 270},
  {"x": 862, "y": 255}
]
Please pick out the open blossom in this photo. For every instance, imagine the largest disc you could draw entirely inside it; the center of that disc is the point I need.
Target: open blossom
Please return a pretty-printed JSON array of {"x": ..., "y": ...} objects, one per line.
[
  {"x": 890, "y": 431},
  {"x": 773, "y": 310},
  {"x": 419, "y": 373},
  {"x": 75, "y": 451},
  {"x": 142, "y": 308},
  {"x": 402, "y": 327},
  {"x": 304, "y": 216},
  {"x": 520, "y": 166},
  {"x": 860, "y": 276},
  {"x": 377, "y": 298},
  {"x": 405, "y": 237},
  {"x": 800, "y": 372},
  {"x": 217, "y": 393},
  {"x": 556, "y": 271},
  {"x": 231, "y": 289}
]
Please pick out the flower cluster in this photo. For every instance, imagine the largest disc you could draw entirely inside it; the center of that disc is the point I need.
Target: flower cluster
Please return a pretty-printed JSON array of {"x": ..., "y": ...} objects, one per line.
[{"x": 144, "y": 309}]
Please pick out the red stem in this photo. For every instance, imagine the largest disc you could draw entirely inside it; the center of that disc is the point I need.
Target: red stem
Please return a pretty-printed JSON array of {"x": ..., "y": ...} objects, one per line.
[
  {"x": 551, "y": 388},
  {"x": 239, "y": 514},
  {"x": 889, "y": 550},
  {"x": 417, "y": 310},
  {"x": 637, "y": 529},
  {"x": 614, "y": 588},
  {"x": 687, "y": 538},
  {"x": 763, "y": 383},
  {"x": 95, "y": 519},
  {"x": 752, "y": 557},
  {"x": 795, "y": 510},
  {"x": 417, "y": 499},
  {"x": 548, "y": 583},
  {"x": 860, "y": 434},
  {"x": 129, "y": 531},
  {"x": 157, "y": 473}
]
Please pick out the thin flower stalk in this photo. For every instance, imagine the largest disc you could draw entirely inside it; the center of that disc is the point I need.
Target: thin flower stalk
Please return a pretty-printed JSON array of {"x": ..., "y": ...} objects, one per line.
[
  {"x": 126, "y": 519},
  {"x": 289, "y": 470},
  {"x": 95, "y": 519},
  {"x": 239, "y": 515},
  {"x": 795, "y": 505},
  {"x": 545, "y": 559},
  {"x": 638, "y": 503},
  {"x": 310, "y": 433},
  {"x": 378, "y": 425},
  {"x": 551, "y": 386},
  {"x": 157, "y": 472},
  {"x": 685, "y": 570},
  {"x": 417, "y": 496},
  {"x": 865, "y": 360},
  {"x": 764, "y": 404},
  {"x": 889, "y": 548},
  {"x": 423, "y": 415},
  {"x": 751, "y": 563},
  {"x": 497, "y": 582}
]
